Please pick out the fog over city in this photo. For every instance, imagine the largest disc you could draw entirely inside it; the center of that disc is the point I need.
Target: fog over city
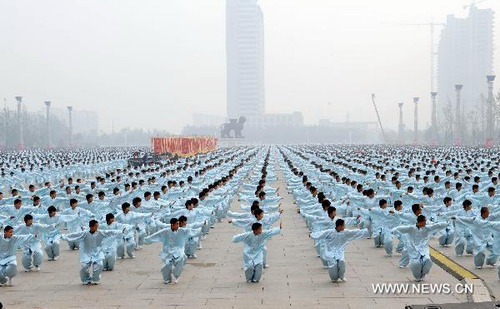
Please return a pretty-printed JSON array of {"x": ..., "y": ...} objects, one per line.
[
  {"x": 259, "y": 154},
  {"x": 152, "y": 64}
]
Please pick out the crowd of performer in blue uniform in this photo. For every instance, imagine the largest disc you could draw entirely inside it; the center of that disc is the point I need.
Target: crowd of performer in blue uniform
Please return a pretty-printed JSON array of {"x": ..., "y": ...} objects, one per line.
[{"x": 97, "y": 204}]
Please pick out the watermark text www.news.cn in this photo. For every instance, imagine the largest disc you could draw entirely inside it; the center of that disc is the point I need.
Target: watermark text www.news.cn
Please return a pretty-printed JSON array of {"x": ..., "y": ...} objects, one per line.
[{"x": 422, "y": 288}]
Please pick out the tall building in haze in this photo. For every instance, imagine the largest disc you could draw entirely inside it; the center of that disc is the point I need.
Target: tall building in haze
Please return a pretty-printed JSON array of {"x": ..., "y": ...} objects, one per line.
[
  {"x": 465, "y": 58},
  {"x": 245, "y": 58}
]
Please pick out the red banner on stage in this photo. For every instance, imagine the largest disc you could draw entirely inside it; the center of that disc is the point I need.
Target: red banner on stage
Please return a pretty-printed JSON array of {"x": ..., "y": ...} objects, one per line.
[{"x": 184, "y": 146}]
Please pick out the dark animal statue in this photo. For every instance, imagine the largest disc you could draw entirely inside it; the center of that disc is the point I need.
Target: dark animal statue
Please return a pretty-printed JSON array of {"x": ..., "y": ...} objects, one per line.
[{"x": 235, "y": 125}]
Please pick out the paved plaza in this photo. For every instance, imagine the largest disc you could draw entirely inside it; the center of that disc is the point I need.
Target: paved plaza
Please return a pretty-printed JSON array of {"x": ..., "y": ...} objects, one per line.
[{"x": 295, "y": 278}]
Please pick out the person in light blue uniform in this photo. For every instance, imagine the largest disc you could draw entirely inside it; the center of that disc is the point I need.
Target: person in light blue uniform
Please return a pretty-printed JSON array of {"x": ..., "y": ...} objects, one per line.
[
  {"x": 81, "y": 218},
  {"x": 111, "y": 244},
  {"x": 335, "y": 242},
  {"x": 16, "y": 213},
  {"x": 463, "y": 235},
  {"x": 253, "y": 250},
  {"x": 441, "y": 213},
  {"x": 192, "y": 242},
  {"x": 482, "y": 228},
  {"x": 266, "y": 220},
  {"x": 52, "y": 237},
  {"x": 8, "y": 246},
  {"x": 417, "y": 237},
  {"x": 32, "y": 250},
  {"x": 132, "y": 218},
  {"x": 91, "y": 253},
  {"x": 172, "y": 254}
]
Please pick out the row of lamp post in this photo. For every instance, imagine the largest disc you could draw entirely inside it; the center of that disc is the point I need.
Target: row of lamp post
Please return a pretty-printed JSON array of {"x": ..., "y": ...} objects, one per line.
[
  {"x": 458, "y": 136},
  {"x": 20, "y": 129}
]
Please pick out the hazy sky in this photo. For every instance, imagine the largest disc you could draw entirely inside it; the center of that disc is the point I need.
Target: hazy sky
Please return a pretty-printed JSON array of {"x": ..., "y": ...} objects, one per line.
[{"x": 151, "y": 64}]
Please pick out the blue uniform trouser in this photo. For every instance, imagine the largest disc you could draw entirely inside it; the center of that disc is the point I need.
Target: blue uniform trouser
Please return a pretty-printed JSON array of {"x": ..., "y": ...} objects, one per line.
[
  {"x": 7, "y": 271},
  {"x": 405, "y": 258},
  {"x": 420, "y": 267},
  {"x": 52, "y": 249},
  {"x": 254, "y": 273},
  {"x": 378, "y": 239},
  {"x": 73, "y": 245},
  {"x": 336, "y": 269},
  {"x": 173, "y": 266},
  {"x": 191, "y": 247},
  {"x": 141, "y": 234},
  {"x": 32, "y": 258},
  {"x": 480, "y": 256},
  {"x": 109, "y": 260},
  {"x": 400, "y": 246},
  {"x": 388, "y": 243},
  {"x": 96, "y": 272},
  {"x": 446, "y": 237},
  {"x": 129, "y": 245},
  {"x": 460, "y": 243}
]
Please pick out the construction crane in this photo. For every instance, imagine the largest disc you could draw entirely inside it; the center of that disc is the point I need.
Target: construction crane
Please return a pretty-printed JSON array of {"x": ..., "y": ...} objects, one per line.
[
  {"x": 378, "y": 117},
  {"x": 432, "y": 25},
  {"x": 473, "y": 3}
]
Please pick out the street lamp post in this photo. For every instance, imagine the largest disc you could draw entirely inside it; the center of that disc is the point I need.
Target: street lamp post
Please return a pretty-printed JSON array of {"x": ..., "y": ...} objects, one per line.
[
  {"x": 20, "y": 144},
  {"x": 49, "y": 142},
  {"x": 415, "y": 120},
  {"x": 490, "y": 120},
  {"x": 401, "y": 125},
  {"x": 434, "y": 132},
  {"x": 70, "y": 114},
  {"x": 459, "y": 130}
]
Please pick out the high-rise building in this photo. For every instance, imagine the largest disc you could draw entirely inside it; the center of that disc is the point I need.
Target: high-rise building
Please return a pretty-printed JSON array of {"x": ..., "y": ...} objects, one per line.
[
  {"x": 465, "y": 58},
  {"x": 245, "y": 58}
]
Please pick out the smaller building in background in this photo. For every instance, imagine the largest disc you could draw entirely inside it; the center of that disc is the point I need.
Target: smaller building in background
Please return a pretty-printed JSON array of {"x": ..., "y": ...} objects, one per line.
[
  {"x": 83, "y": 121},
  {"x": 269, "y": 120}
]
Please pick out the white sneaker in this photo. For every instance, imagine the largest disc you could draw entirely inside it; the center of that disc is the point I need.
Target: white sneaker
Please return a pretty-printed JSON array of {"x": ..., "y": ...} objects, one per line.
[
  {"x": 199, "y": 246},
  {"x": 10, "y": 282},
  {"x": 95, "y": 283},
  {"x": 479, "y": 267},
  {"x": 167, "y": 281},
  {"x": 176, "y": 280},
  {"x": 37, "y": 268},
  {"x": 343, "y": 279},
  {"x": 86, "y": 283},
  {"x": 56, "y": 258},
  {"x": 266, "y": 266}
]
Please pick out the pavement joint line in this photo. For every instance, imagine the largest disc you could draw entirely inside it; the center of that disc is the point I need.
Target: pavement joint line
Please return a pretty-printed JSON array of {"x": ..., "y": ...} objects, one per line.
[{"x": 463, "y": 275}]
